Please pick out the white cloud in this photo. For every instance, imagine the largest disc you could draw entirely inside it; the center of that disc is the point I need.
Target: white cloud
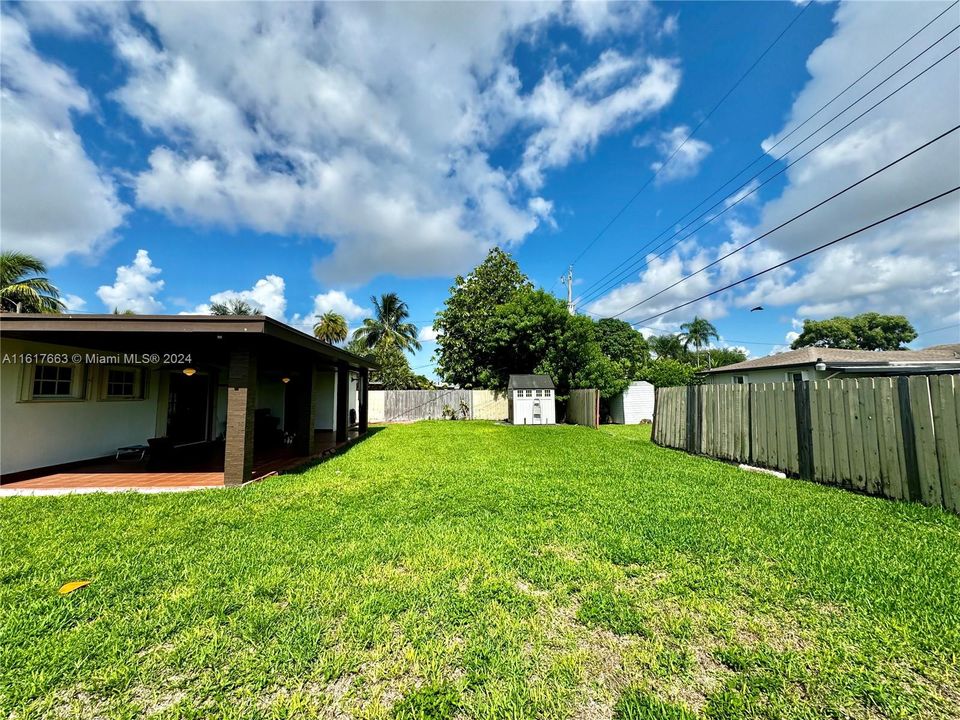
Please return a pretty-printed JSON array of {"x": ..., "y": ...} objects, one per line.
[
  {"x": 74, "y": 303},
  {"x": 338, "y": 302},
  {"x": 266, "y": 296},
  {"x": 671, "y": 23},
  {"x": 368, "y": 126},
  {"x": 690, "y": 152},
  {"x": 427, "y": 334},
  {"x": 135, "y": 288},
  {"x": 745, "y": 195},
  {"x": 908, "y": 266},
  {"x": 56, "y": 202},
  {"x": 660, "y": 273},
  {"x": 573, "y": 122},
  {"x": 595, "y": 17}
]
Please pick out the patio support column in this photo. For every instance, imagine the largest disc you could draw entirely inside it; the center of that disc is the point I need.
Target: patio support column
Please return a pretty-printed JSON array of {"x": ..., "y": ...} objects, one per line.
[
  {"x": 241, "y": 403},
  {"x": 364, "y": 396},
  {"x": 343, "y": 402},
  {"x": 309, "y": 390}
]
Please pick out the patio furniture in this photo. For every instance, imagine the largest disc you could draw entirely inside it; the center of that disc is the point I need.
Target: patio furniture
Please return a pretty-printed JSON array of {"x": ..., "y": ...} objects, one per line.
[{"x": 132, "y": 453}]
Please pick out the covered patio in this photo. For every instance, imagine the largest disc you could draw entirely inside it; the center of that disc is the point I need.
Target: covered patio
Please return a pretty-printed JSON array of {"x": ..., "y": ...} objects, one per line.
[
  {"x": 113, "y": 476},
  {"x": 203, "y": 401}
]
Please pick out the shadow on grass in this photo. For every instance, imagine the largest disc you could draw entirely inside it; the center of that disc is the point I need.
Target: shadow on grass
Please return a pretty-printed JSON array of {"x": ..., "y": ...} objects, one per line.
[{"x": 309, "y": 463}]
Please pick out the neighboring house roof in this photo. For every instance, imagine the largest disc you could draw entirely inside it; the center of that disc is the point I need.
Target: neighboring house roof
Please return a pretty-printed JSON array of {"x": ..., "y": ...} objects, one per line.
[
  {"x": 530, "y": 382},
  {"x": 935, "y": 355},
  {"x": 63, "y": 327}
]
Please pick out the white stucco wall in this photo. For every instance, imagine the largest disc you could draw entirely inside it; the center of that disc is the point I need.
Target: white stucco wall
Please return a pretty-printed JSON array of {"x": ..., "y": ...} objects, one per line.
[{"x": 40, "y": 433}]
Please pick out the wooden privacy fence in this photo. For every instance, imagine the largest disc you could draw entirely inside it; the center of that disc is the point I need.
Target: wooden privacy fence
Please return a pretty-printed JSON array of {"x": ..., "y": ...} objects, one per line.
[
  {"x": 894, "y": 437},
  {"x": 583, "y": 408},
  {"x": 407, "y": 405}
]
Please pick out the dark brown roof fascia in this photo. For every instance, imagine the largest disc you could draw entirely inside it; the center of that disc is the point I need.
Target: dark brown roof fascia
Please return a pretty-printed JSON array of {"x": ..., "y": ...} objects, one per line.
[{"x": 213, "y": 324}]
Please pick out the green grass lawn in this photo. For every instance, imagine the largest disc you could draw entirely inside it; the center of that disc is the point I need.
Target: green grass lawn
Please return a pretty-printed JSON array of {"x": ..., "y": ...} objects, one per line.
[{"x": 473, "y": 570}]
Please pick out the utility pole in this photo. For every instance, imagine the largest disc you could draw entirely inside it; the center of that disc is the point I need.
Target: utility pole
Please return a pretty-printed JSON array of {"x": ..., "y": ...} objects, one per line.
[{"x": 568, "y": 281}]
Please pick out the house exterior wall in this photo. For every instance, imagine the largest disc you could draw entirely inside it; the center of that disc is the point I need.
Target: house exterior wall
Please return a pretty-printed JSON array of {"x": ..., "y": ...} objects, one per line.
[
  {"x": 271, "y": 396},
  {"x": 765, "y": 375},
  {"x": 38, "y": 433},
  {"x": 634, "y": 405},
  {"x": 523, "y": 408},
  {"x": 326, "y": 418}
]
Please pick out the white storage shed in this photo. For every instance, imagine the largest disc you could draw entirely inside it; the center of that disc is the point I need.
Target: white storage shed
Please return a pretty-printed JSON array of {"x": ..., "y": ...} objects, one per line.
[
  {"x": 634, "y": 405},
  {"x": 532, "y": 400}
]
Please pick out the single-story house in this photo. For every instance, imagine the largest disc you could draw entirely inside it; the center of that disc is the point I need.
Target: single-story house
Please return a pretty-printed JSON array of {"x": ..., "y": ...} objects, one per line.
[
  {"x": 815, "y": 363},
  {"x": 225, "y": 390},
  {"x": 532, "y": 400},
  {"x": 634, "y": 405}
]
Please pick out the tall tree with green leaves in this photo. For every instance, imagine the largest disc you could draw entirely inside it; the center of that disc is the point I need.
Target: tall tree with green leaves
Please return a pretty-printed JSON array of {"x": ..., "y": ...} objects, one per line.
[
  {"x": 465, "y": 323},
  {"x": 234, "y": 306},
  {"x": 620, "y": 342},
  {"x": 867, "y": 331},
  {"x": 698, "y": 332},
  {"x": 23, "y": 287},
  {"x": 389, "y": 325},
  {"x": 668, "y": 346},
  {"x": 331, "y": 327},
  {"x": 725, "y": 356}
]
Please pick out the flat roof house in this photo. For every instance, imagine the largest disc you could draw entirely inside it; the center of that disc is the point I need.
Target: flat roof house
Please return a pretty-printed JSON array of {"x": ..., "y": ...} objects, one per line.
[
  {"x": 532, "y": 400},
  {"x": 815, "y": 363},
  {"x": 228, "y": 395}
]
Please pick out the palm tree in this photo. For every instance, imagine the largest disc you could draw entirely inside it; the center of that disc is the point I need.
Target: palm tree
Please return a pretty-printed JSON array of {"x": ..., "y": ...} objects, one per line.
[
  {"x": 388, "y": 325},
  {"x": 667, "y": 346},
  {"x": 698, "y": 332},
  {"x": 234, "y": 306},
  {"x": 22, "y": 293},
  {"x": 331, "y": 328}
]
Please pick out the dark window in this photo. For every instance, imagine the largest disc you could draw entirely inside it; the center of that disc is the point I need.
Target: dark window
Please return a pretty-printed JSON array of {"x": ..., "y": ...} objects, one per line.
[
  {"x": 797, "y": 377},
  {"x": 52, "y": 381},
  {"x": 738, "y": 379},
  {"x": 121, "y": 383}
]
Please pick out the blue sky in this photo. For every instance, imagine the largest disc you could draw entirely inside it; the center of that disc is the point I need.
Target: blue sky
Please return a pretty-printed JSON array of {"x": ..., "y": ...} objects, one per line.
[{"x": 306, "y": 157}]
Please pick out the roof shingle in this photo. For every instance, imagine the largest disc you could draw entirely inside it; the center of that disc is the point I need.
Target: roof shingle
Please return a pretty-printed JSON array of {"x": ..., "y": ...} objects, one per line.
[{"x": 810, "y": 355}]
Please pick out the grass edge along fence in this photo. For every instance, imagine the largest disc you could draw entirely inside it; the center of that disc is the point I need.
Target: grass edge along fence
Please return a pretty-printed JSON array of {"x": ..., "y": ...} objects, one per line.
[{"x": 896, "y": 437}]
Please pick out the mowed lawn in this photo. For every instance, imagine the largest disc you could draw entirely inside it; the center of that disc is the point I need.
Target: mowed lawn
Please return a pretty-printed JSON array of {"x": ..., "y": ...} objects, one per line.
[{"x": 474, "y": 570}]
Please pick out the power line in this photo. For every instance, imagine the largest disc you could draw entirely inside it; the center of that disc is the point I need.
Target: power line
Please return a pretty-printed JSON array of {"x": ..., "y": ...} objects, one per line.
[
  {"x": 796, "y": 128},
  {"x": 800, "y": 256},
  {"x": 691, "y": 134},
  {"x": 933, "y": 330},
  {"x": 791, "y": 220},
  {"x": 740, "y": 198}
]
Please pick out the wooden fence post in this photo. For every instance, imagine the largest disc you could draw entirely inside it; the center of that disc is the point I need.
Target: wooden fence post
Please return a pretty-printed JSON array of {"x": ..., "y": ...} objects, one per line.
[
  {"x": 801, "y": 390},
  {"x": 909, "y": 439},
  {"x": 656, "y": 412},
  {"x": 691, "y": 419}
]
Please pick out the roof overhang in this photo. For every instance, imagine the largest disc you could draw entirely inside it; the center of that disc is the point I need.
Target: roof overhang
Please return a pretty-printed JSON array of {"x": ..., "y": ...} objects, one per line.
[
  {"x": 39, "y": 327},
  {"x": 922, "y": 368}
]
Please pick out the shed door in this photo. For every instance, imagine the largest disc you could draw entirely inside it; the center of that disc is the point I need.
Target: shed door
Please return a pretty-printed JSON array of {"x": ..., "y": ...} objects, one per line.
[{"x": 537, "y": 413}]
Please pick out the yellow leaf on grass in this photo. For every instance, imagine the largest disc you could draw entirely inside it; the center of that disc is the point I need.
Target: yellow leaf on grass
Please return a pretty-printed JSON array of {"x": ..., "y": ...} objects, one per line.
[{"x": 75, "y": 585}]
